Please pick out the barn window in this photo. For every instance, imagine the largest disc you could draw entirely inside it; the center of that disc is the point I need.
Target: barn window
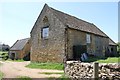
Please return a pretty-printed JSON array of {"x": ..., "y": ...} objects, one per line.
[
  {"x": 45, "y": 32},
  {"x": 88, "y": 38}
]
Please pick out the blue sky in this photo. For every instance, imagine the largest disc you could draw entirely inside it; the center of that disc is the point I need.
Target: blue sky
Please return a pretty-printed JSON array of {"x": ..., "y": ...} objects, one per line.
[{"x": 18, "y": 18}]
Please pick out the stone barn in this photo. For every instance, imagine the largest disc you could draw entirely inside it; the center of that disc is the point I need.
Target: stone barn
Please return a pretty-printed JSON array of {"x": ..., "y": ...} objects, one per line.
[
  {"x": 57, "y": 36},
  {"x": 112, "y": 48},
  {"x": 20, "y": 49}
]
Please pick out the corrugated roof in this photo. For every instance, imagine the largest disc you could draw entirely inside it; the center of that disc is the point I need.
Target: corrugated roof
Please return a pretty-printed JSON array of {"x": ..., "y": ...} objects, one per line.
[{"x": 19, "y": 44}]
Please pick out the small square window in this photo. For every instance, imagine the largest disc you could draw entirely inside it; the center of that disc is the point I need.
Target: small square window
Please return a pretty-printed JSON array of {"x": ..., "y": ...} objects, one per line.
[{"x": 45, "y": 32}]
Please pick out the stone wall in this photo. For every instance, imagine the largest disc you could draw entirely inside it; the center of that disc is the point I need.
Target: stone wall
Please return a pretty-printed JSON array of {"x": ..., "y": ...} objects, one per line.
[
  {"x": 17, "y": 54},
  {"x": 51, "y": 49},
  {"x": 97, "y": 45},
  {"x": 77, "y": 70},
  {"x": 25, "y": 50},
  {"x": 101, "y": 44},
  {"x": 59, "y": 42},
  {"x": 20, "y": 54},
  {"x": 74, "y": 37},
  {"x": 113, "y": 50}
]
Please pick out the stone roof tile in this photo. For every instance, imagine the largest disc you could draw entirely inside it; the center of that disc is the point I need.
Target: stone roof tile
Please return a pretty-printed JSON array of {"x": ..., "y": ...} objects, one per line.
[{"x": 19, "y": 44}]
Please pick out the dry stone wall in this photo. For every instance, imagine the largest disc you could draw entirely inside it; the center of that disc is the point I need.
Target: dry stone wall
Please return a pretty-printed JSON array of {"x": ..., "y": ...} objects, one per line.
[{"x": 77, "y": 70}]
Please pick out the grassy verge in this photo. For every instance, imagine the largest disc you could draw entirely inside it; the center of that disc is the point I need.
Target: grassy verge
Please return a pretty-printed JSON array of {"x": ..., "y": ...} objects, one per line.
[
  {"x": 19, "y": 60},
  {"x": 57, "y": 66},
  {"x": 23, "y": 78},
  {"x": 49, "y": 73},
  {"x": 62, "y": 77},
  {"x": 110, "y": 60},
  {"x": 104, "y": 60},
  {"x": 1, "y": 73}
]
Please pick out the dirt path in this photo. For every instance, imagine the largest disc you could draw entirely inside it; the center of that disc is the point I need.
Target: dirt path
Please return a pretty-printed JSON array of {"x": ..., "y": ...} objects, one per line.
[{"x": 15, "y": 69}]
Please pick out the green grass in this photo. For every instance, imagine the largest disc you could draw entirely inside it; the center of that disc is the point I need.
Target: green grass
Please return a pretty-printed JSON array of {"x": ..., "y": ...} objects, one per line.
[
  {"x": 104, "y": 60},
  {"x": 23, "y": 78},
  {"x": 57, "y": 66},
  {"x": 62, "y": 77},
  {"x": 110, "y": 60},
  {"x": 49, "y": 73},
  {"x": 93, "y": 59},
  {"x": 19, "y": 60},
  {"x": 1, "y": 73}
]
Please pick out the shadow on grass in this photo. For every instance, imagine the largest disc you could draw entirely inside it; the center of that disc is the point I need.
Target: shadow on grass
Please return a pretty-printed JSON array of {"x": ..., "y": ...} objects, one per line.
[{"x": 94, "y": 59}]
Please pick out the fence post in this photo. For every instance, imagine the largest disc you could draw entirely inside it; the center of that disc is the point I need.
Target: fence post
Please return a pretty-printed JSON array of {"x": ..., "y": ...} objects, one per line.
[{"x": 95, "y": 71}]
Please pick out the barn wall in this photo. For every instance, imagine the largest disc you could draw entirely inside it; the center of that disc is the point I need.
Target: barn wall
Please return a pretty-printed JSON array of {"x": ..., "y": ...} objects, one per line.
[
  {"x": 101, "y": 44},
  {"x": 60, "y": 41},
  {"x": 113, "y": 50},
  {"x": 97, "y": 45},
  {"x": 17, "y": 54},
  {"x": 51, "y": 49},
  {"x": 20, "y": 54},
  {"x": 74, "y": 38},
  {"x": 26, "y": 49}
]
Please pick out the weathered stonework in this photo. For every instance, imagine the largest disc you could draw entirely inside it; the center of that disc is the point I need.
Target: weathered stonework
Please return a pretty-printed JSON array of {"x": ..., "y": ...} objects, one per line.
[
  {"x": 76, "y": 37},
  {"x": 53, "y": 48},
  {"x": 20, "y": 53},
  {"x": 78, "y": 70},
  {"x": 65, "y": 31}
]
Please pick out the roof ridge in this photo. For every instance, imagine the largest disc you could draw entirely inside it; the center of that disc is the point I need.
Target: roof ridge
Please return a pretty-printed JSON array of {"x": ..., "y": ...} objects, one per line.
[
  {"x": 39, "y": 16},
  {"x": 110, "y": 40},
  {"x": 24, "y": 38},
  {"x": 14, "y": 44},
  {"x": 71, "y": 16},
  {"x": 19, "y": 44},
  {"x": 98, "y": 31}
]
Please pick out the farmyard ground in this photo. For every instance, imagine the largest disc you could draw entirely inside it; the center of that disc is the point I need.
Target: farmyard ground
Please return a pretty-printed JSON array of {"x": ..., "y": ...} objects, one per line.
[{"x": 17, "y": 69}]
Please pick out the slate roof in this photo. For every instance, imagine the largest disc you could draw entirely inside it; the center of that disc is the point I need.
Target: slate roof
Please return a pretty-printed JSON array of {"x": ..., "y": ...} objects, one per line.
[
  {"x": 19, "y": 44},
  {"x": 111, "y": 42}
]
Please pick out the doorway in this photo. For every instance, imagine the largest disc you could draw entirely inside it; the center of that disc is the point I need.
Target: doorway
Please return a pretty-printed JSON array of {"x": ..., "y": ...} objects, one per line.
[
  {"x": 78, "y": 50},
  {"x": 12, "y": 56}
]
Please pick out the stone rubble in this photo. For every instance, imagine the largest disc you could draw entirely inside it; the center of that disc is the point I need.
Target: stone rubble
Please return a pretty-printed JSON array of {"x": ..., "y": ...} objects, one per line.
[{"x": 78, "y": 70}]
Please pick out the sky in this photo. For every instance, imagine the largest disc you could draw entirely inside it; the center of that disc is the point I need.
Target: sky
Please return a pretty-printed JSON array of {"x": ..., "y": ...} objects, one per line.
[
  {"x": 18, "y": 18},
  {"x": 119, "y": 22}
]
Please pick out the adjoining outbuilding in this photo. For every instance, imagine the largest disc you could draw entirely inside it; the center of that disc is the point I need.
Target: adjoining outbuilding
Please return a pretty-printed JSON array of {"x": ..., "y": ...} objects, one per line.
[
  {"x": 112, "y": 48},
  {"x": 57, "y": 37},
  {"x": 20, "y": 49}
]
